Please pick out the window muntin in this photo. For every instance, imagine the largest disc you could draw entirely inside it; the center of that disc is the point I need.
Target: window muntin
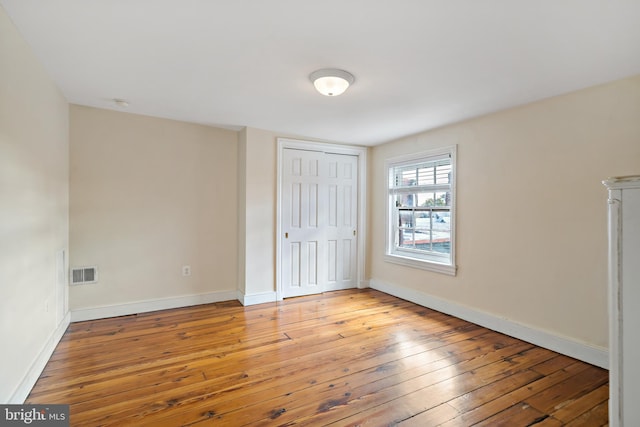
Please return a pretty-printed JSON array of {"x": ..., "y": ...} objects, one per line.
[{"x": 420, "y": 219}]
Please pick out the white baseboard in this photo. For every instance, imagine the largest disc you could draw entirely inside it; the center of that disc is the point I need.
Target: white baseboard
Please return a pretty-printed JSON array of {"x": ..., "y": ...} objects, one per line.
[
  {"x": 115, "y": 310},
  {"x": 253, "y": 299},
  {"x": 24, "y": 388},
  {"x": 598, "y": 356},
  {"x": 364, "y": 284}
]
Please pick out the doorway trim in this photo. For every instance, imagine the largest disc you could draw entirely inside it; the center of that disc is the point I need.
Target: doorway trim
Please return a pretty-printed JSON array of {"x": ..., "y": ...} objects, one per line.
[{"x": 353, "y": 150}]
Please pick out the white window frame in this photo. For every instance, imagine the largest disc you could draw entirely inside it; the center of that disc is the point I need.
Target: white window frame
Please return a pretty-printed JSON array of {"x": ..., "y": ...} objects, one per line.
[{"x": 420, "y": 259}]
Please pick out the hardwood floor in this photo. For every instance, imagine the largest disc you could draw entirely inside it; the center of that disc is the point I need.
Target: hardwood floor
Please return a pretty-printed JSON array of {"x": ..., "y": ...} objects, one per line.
[{"x": 347, "y": 358}]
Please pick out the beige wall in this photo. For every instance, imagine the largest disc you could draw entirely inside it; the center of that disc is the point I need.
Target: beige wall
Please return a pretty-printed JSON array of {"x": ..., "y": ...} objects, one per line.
[
  {"x": 242, "y": 210},
  {"x": 259, "y": 163},
  {"x": 148, "y": 196},
  {"x": 34, "y": 198},
  {"x": 531, "y": 209}
]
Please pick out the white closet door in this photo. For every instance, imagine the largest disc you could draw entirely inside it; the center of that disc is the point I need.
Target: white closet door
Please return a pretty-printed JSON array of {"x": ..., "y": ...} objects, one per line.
[
  {"x": 318, "y": 222},
  {"x": 342, "y": 214}
]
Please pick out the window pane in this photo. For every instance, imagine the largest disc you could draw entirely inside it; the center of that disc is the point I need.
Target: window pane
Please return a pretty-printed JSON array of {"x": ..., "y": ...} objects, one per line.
[
  {"x": 442, "y": 232},
  {"x": 442, "y": 220},
  {"x": 409, "y": 178},
  {"x": 423, "y": 240},
  {"x": 427, "y": 173},
  {"x": 439, "y": 198},
  {"x": 423, "y": 220},
  {"x": 442, "y": 241},
  {"x": 406, "y": 218},
  {"x": 405, "y": 176},
  {"x": 443, "y": 173},
  {"x": 422, "y": 198},
  {"x": 405, "y": 239}
]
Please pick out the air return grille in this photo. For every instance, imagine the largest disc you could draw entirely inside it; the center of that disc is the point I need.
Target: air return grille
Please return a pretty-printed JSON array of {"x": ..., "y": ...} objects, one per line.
[{"x": 84, "y": 275}]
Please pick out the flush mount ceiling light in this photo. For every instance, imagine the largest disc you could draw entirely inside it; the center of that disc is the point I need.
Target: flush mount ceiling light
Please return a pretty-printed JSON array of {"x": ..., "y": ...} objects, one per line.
[{"x": 330, "y": 81}]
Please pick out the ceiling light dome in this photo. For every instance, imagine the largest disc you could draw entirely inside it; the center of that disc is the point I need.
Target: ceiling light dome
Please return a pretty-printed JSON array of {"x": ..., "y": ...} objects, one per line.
[{"x": 330, "y": 81}]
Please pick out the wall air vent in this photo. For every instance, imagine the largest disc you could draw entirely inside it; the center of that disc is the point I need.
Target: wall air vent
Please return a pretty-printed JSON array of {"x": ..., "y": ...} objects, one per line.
[{"x": 84, "y": 275}]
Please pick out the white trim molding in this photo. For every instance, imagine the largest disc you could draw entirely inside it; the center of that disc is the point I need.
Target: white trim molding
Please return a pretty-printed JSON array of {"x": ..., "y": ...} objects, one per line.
[
  {"x": 421, "y": 264},
  {"x": 363, "y": 284},
  {"x": 24, "y": 388},
  {"x": 253, "y": 299},
  {"x": 598, "y": 356},
  {"x": 126, "y": 309}
]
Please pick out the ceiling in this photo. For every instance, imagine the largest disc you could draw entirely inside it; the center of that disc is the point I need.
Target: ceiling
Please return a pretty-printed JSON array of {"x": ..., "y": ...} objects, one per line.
[{"x": 418, "y": 64}]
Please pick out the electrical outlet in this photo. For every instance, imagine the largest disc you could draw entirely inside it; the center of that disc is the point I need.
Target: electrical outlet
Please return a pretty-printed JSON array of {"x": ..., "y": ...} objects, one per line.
[{"x": 186, "y": 270}]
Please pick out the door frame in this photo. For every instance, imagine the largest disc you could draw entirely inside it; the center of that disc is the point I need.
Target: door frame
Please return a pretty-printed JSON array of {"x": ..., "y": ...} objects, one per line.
[{"x": 353, "y": 150}]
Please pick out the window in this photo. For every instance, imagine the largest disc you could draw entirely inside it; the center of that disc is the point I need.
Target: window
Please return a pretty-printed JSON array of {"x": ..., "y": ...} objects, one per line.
[{"x": 420, "y": 220}]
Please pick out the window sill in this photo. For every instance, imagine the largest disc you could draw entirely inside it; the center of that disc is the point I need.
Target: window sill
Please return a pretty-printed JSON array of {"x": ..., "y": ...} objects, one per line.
[{"x": 421, "y": 264}]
